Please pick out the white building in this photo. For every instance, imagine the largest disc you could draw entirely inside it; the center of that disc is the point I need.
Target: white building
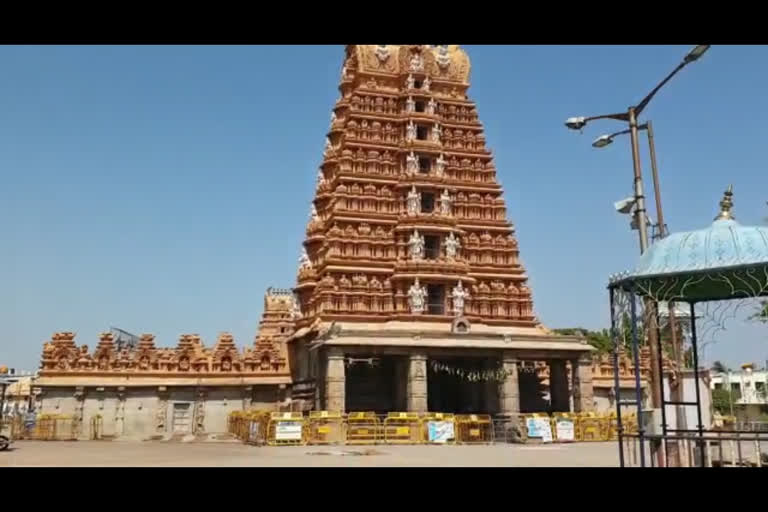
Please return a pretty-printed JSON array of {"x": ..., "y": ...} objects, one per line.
[
  {"x": 16, "y": 389},
  {"x": 749, "y": 387}
]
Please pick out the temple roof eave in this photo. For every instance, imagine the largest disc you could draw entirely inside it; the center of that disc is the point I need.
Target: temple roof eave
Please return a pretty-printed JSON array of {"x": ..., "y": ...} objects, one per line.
[
  {"x": 61, "y": 379},
  {"x": 537, "y": 343}
]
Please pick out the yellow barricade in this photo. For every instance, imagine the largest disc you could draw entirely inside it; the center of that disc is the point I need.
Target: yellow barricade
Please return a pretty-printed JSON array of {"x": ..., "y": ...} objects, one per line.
[
  {"x": 233, "y": 419},
  {"x": 629, "y": 423},
  {"x": 593, "y": 427},
  {"x": 474, "y": 429},
  {"x": 286, "y": 428},
  {"x": 54, "y": 427},
  {"x": 444, "y": 432},
  {"x": 564, "y": 427},
  {"x": 362, "y": 428},
  {"x": 402, "y": 428},
  {"x": 249, "y": 426},
  {"x": 237, "y": 424},
  {"x": 325, "y": 427},
  {"x": 254, "y": 427},
  {"x": 523, "y": 420},
  {"x": 613, "y": 426},
  {"x": 535, "y": 415}
]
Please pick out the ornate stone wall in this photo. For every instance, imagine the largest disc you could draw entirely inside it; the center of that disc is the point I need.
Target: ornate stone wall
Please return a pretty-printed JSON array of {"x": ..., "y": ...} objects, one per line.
[
  {"x": 267, "y": 357},
  {"x": 142, "y": 392}
]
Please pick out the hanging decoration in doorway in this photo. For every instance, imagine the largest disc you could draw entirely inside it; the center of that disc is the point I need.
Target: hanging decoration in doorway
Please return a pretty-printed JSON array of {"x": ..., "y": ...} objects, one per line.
[{"x": 492, "y": 374}]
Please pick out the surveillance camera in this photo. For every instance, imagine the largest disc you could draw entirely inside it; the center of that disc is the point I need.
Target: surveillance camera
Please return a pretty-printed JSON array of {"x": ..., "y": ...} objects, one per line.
[
  {"x": 575, "y": 123},
  {"x": 625, "y": 205}
]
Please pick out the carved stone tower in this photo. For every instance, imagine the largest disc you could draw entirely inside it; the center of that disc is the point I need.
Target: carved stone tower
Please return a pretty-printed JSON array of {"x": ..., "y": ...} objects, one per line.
[
  {"x": 410, "y": 265},
  {"x": 408, "y": 221}
]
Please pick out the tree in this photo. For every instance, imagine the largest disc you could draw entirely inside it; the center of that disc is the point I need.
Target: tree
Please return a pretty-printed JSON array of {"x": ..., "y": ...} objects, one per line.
[
  {"x": 719, "y": 367},
  {"x": 722, "y": 399},
  {"x": 762, "y": 314},
  {"x": 601, "y": 339}
]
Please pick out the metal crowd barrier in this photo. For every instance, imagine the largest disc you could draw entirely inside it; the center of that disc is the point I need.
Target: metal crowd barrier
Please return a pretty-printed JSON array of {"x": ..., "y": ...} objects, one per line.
[
  {"x": 578, "y": 427},
  {"x": 593, "y": 428},
  {"x": 368, "y": 428},
  {"x": 325, "y": 427},
  {"x": 438, "y": 428},
  {"x": 362, "y": 428},
  {"x": 54, "y": 427},
  {"x": 565, "y": 427},
  {"x": 402, "y": 428},
  {"x": 286, "y": 429},
  {"x": 249, "y": 426},
  {"x": 474, "y": 429}
]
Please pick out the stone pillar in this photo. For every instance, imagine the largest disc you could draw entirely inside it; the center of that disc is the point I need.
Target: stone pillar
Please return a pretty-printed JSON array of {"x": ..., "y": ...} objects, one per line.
[
  {"x": 198, "y": 426},
  {"x": 509, "y": 388},
  {"x": 161, "y": 413},
  {"x": 417, "y": 383},
  {"x": 583, "y": 399},
  {"x": 558, "y": 386},
  {"x": 38, "y": 400},
  {"x": 120, "y": 412},
  {"x": 335, "y": 381},
  {"x": 79, "y": 427},
  {"x": 247, "y": 397}
]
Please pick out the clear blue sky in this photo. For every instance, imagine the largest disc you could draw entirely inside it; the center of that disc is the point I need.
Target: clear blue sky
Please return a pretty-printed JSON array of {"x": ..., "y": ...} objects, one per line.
[{"x": 163, "y": 189}]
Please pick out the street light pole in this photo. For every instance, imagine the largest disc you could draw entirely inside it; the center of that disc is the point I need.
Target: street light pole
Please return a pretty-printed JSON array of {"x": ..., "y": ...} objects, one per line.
[
  {"x": 676, "y": 393},
  {"x": 578, "y": 123},
  {"x": 656, "y": 185},
  {"x": 639, "y": 196}
]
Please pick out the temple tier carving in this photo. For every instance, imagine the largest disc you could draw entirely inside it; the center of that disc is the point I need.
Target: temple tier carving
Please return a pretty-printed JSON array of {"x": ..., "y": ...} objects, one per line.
[
  {"x": 267, "y": 356},
  {"x": 417, "y": 295},
  {"x": 406, "y": 189}
]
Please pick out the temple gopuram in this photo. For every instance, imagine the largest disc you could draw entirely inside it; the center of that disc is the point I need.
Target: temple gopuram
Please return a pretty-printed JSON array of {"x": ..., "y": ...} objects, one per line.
[{"x": 410, "y": 292}]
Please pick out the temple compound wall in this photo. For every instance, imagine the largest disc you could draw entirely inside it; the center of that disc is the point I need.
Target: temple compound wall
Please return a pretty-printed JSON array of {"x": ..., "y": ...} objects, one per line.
[
  {"x": 153, "y": 412},
  {"x": 147, "y": 392}
]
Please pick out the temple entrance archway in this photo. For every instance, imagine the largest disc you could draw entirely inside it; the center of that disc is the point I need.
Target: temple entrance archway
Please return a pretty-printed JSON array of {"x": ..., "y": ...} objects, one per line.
[
  {"x": 376, "y": 383},
  {"x": 462, "y": 385}
]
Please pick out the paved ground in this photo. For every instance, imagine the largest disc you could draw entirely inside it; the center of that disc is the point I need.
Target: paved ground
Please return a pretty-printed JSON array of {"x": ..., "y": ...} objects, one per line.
[{"x": 155, "y": 453}]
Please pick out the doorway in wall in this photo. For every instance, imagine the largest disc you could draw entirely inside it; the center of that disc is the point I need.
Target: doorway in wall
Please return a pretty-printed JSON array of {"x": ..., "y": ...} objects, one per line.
[{"x": 182, "y": 420}]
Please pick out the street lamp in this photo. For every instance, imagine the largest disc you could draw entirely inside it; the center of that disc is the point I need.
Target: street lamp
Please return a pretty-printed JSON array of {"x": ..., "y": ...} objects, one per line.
[
  {"x": 697, "y": 52},
  {"x": 578, "y": 123},
  {"x": 630, "y": 117},
  {"x": 603, "y": 141}
]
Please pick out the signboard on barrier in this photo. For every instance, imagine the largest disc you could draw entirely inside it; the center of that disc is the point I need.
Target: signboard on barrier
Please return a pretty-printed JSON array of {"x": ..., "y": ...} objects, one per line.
[
  {"x": 440, "y": 431},
  {"x": 564, "y": 429},
  {"x": 540, "y": 427},
  {"x": 288, "y": 431}
]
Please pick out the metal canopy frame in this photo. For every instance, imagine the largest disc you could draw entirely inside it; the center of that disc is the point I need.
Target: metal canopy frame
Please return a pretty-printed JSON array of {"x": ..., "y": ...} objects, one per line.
[{"x": 731, "y": 287}]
